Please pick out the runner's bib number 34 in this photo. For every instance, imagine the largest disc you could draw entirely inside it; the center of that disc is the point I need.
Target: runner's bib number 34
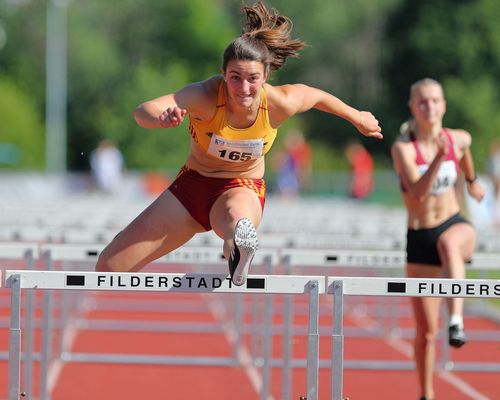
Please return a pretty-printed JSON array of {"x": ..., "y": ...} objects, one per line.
[{"x": 235, "y": 150}]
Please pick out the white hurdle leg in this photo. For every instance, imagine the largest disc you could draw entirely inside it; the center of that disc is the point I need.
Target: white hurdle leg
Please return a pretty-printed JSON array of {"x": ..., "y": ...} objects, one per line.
[
  {"x": 14, "y": 382},
  {"x": 338, "y": 340},
  {"x": 312, "y": 375},
  {"x": 29, "y": 329},
  {"x": 268, "y": 343},
  {"x": 287, "y": 337}
]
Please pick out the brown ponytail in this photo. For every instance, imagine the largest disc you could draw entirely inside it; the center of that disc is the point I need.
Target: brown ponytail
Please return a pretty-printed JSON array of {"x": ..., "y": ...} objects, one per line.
[{"x": 265, "y": 38}]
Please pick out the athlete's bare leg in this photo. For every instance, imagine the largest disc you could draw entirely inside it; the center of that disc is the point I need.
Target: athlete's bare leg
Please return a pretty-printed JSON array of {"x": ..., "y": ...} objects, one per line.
[
  {"x": 455, "y": 246},
  {"x": 162, "y": 227},
  {"x": 426, "y": 311}
]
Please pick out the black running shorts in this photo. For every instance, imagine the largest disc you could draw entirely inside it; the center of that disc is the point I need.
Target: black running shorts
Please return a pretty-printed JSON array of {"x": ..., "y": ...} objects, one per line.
[{"x": 421, "y": 244}]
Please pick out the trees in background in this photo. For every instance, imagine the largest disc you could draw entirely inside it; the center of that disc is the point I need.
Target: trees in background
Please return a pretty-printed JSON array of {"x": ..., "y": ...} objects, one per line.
[
  {"x": 458, "y": 43},
  {"x": 367, "y": 52}
]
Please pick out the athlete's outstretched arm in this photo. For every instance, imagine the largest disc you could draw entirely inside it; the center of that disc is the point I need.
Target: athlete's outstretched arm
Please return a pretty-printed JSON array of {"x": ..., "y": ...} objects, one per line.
[
  {"x": 168, "y": 111},
  {"x": 162, "y": 112},
  {"x": 300, "y": 98}
]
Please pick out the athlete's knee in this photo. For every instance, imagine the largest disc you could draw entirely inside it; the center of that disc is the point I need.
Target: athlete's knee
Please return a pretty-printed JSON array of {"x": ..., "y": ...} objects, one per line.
[
  {"x": 447, "y": 245},
  {"x": 234, "y": 214},
  {"x": 107, "y": 263},
  {"x": 103, "y": 265},
  {"x": 426, "y": 337}
]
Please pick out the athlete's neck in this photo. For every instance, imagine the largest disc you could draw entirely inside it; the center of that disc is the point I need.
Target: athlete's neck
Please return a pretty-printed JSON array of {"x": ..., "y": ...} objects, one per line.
[{"x": 428, "y": 133}]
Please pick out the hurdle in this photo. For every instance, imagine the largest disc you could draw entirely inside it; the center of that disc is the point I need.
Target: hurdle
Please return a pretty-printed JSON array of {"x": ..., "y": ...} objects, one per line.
[
  {"x": 26, "y": 252},
  {"x": 17, "y": 280},
  {"x": 405, "y": 287},
  {"x": 386, "y": 263},
  {"x": 193, "y": 259}
]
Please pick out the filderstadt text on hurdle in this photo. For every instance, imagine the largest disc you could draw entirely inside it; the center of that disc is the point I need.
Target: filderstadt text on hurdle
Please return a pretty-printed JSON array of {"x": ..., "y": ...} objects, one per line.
[
  {"x": 160, "y": 281},
  {"x": 460, "y": 289}
]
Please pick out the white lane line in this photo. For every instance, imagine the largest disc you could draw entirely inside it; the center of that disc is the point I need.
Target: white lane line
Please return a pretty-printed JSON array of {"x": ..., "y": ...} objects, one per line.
[
  {"x": 69, "y": 333},
  {"x": 218, "y": 309},
  {"x": 406, "y": 349},
  {"x": 463, "y": 386}
]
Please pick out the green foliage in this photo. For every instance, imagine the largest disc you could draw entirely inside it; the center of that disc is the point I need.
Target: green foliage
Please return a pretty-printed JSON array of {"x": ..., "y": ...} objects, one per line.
[
  {"x": 457, "y": 43},
  {"x": 475, "y": 105},
  {"x": 342, "y": 57},
  {"x": 123, "y": 53},
  {"x": 21, "y": 132}
]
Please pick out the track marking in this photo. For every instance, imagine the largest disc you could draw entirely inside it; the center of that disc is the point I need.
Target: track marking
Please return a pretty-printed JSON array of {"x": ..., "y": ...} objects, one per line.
[
  {"x": 463, "y": 386},
  {"x": 218, "y": 309},
  {"x": 69, "y": 333},
  {"x": 403, "y": 347}
]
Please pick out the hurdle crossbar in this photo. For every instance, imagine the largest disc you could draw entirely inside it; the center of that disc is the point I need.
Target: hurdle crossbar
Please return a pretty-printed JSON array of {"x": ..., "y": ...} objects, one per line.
[
  {"x": 372, "y": 258},
  {"x": 406, "y": 287},
  {"x": 161, "y": 282}
]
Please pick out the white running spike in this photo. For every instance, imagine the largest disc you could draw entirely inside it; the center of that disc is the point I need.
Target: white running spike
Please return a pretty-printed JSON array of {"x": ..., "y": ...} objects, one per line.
[{"x": 246, "y": 244}]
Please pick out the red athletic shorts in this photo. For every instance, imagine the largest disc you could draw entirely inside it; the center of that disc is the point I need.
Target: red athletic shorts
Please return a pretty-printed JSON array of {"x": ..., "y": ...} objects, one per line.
[{"x": 198, "y": 193}]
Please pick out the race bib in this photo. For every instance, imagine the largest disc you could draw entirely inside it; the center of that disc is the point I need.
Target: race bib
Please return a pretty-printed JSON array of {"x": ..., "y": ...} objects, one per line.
[
  {"x": 446, "y": 177},
  {"x": 235, "y": 150}
]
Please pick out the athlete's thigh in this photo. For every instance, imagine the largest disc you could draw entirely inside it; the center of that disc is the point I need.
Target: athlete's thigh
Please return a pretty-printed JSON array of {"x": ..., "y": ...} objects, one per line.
[
  {"x": 232, "y": 205},
  {"x": 463, "y": 235},
  {"x": 162, "y": 227}
]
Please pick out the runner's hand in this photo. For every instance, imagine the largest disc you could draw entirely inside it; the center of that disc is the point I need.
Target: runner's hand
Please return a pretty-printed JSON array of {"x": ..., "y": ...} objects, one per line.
[
  {"x": 368, "y": 125},
  {"x": 172, "y": 117},
  {"x": 443, "y": 145},
  {"x": 475, "y": 190}
]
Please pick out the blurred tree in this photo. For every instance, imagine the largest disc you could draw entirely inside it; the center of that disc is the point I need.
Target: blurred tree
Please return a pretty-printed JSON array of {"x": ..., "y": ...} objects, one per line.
[
  {"x": 122, "y": 53},
  {"x": 119, "y": 54},
  {"x": 22, "y": 85},
  {"x": 127, "y": 52},
  {"x": 21, "y": 131},
  {"x": 345, "y": 42},
  {"x": 458, "y": 43}
]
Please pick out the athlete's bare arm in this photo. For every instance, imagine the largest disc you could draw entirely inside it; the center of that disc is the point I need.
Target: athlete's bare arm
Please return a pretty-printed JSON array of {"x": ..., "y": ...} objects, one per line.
[
  {"x": 466, "y": 162},
  {"x": 288, "y": 100},
  {"x": 168, "y": 111},
  {"x": 403, "y": 155}
]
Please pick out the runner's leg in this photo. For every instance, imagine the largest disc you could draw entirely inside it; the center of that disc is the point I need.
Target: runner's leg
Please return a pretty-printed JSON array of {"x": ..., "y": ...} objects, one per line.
[
  {"x": 162, "y": 227},
  {"x": 233, "y": 217}
]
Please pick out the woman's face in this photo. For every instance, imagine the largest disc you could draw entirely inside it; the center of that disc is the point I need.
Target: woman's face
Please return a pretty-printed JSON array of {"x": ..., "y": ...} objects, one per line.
[
  {"x": 427, "y": 104},
  {"x": 244, "y": 80}
]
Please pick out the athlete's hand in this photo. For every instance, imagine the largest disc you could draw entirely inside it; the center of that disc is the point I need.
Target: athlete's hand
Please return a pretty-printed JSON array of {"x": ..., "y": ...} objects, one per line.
[
  {"x": 172, "y": 117},
  {"x": 443, "y": 145},
  {"x": 476, "y": 190},
  {"x": 368, "y": 125}
]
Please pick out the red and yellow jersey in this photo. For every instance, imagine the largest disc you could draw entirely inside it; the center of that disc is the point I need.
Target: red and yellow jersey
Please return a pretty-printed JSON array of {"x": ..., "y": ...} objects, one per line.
[{"x": 221, "y": 141}]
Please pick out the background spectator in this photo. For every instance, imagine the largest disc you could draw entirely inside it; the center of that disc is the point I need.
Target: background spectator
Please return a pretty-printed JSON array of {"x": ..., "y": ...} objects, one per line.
[{"x": 107, "y": 167}]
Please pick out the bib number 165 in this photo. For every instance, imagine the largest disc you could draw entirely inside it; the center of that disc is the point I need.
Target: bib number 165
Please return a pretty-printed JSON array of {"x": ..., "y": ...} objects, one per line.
[{"x": 235, "y": 155}]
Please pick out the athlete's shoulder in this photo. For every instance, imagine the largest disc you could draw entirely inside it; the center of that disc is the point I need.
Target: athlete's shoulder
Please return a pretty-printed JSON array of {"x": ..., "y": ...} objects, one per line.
[
  {"x": 208, "y": 87},
  {"x": 402, "y": 147},
  {"x": 402, "y": 140},
  {"x": 201, "y": 97},
  {"x": 461, "y": 137},
  {"x": 284, "y": 98}
]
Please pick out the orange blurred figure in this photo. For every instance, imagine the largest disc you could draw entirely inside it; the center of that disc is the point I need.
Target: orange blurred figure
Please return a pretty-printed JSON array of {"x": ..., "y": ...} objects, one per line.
[{"x": 361, "y": 163}]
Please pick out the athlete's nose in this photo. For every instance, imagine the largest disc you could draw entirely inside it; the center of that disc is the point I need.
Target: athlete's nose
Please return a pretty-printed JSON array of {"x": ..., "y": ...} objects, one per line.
[{"x": 245, "y": 86}]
